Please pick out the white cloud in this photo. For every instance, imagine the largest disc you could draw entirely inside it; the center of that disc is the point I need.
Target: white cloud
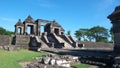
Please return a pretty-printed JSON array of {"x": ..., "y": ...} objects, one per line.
[{"x": 8, "y": 19}]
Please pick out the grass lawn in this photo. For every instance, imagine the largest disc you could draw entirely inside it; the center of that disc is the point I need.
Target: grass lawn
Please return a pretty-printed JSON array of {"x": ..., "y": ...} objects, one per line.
[
  {"x": 11, "y": 59},
  {"x": 80, "y": 66}
]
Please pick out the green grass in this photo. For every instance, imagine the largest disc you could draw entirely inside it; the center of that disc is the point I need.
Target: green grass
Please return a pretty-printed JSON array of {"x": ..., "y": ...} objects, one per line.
[
  {"x": 11, "y": 59},
  {"x": 80, "y": 66}
]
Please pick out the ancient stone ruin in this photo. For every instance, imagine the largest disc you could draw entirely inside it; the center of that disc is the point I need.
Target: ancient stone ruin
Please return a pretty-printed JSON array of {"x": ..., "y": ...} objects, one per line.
[
  {"x": 52, "y": 37},
  {"x": 102, "y": 58},
  {"x": 53, "y": 61}
]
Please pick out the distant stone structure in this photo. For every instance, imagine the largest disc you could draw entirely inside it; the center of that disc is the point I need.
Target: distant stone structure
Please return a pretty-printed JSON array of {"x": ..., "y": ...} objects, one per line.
[{"x": 53, "y": 35}]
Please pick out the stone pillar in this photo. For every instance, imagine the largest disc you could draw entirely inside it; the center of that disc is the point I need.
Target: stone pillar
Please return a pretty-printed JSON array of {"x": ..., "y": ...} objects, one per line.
[
  {"x": 34, "y": 29},
  {"x": 22, "y": 30},
  {"x": 59, "y": 31},
  {"x": 38, "y": 28},
  {"x": 51, "y": 29},
  {"x": 16, "y": 30},
  {"x": 115, "y": 20},
  {"x": 25, "y": 29}
]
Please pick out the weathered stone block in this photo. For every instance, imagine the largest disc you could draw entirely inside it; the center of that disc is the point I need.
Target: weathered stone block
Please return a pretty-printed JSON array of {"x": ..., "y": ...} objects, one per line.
[
  {"x": 46, "y": 60},
  {"x": 52, "y": 61}
]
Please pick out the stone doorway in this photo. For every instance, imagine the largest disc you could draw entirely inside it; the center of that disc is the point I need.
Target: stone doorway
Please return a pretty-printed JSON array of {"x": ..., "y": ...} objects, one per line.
[
  {"x": 30, "y": 30},
  {"x": 19, "y": 30}
]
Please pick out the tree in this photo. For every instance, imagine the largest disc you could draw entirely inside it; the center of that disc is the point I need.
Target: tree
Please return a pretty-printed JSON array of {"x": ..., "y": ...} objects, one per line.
[
  {"x": 5, "y": 32},
  {"x": 81, "y": 33},
  {"x": 69, "y": 32},
  {"x": 2, "y": 31},
  {"x": 100, "y": 34},
  {"x": 89, "y": 35},
  {"x": 78, "y": 35},
  {"x": 97, "y": 34}
]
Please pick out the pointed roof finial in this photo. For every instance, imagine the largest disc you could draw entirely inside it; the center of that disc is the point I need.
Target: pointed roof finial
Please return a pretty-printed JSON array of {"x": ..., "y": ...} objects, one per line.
[
  {"x": 29, "y": 19},
  {"x": 54, "y": 21},
  {"x": 29, "y": 16},
  {"x": 19, "y": 20}
]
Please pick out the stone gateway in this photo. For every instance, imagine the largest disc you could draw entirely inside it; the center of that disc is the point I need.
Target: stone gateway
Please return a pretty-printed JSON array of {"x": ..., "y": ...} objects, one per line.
[{"x": 29, "y": 35}]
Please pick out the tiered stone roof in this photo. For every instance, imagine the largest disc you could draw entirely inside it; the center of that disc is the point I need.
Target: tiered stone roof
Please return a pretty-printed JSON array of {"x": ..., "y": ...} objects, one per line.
[
  {"x": 29, "y": 19},
  {"x": 19, "y": 23}
]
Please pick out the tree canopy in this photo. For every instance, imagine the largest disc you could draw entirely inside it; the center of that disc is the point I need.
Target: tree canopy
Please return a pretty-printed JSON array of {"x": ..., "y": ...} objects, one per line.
[
  {"x": 96, "y": 33},
  {"x": 78, "y": 35},
  {"x": 100, "y": 34}
]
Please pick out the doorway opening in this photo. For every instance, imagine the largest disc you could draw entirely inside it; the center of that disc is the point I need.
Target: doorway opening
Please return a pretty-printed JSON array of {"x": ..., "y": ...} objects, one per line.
[
  {"x": 30, "y": 30},
  {"x": 19, "y": 30},
  {"x": 56, "y": 31}
]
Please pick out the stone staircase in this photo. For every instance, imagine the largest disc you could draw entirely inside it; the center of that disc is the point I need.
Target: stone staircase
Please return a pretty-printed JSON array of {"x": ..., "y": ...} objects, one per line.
[
  {"x": 54, "y": 41},
  {"x": 51, "y": 40},
  {"x": 69, "y": 39},
  {"x": 74, "y": 44},
  {"x": 66, "y": 38},
  {"x": 44, "y": 45},
  {"x": 46, "y": 39},
  {"x": 36, "y": 43},
  {"x": 66, "y": 44}
]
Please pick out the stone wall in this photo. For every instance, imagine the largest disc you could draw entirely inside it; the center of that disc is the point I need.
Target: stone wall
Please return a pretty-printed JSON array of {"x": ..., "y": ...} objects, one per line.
[
  {"x": 97, "y": 45},
  {"x": 21, "y": 40},
  {"x": 5, "y": 40}
]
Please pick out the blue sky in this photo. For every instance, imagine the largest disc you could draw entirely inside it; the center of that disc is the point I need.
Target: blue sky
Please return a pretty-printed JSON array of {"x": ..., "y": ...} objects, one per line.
[{"x": 71, "y": 14}]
